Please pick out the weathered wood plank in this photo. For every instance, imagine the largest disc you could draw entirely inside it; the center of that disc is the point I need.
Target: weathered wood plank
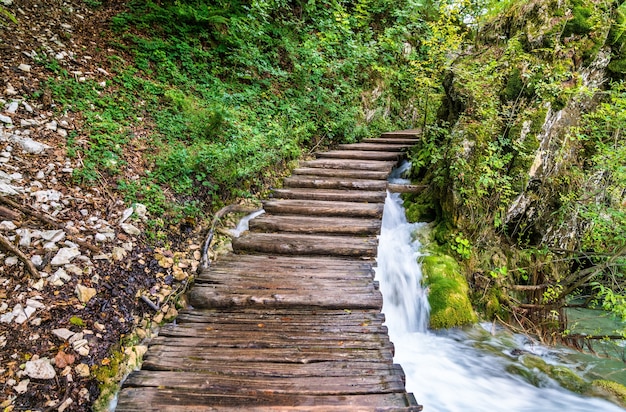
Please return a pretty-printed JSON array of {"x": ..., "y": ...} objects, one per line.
[
  {"x": 377, "y": 146},
  {"x": 405, "y": 188},
  {"x": 291, "y": 262},
  {"x": 316, "y": 182},
  {"x": 323, "y": 208},
  {"x": 330, "y": 195},
  {"x": 277, "y": 355},
  {"x": 295, "y": 385},
  {"x": 407, "y": 141},
  {"x": 168, "y": 400},
  {"x": 410, "y": 133},
  {"x": 360, "y": 155},
  {"x": 351, "y": 173},
  {"x": 298, "y": 244},
  {"x": 314, "y": 224},
  {"x": 203, "y": 297},
  {"x": 281, "y": 318},
  {"x": 384, "y": 165}
]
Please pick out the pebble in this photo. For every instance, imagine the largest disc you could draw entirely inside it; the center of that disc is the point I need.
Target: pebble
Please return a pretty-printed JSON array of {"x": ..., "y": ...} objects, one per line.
[
  {"x": 82, "y": 370},
  {"x": 64, "y": 256},
  {"x": 37, "y": 260},
  {"x": 85, "y": 293},
  {"x": 24, "y": 67},
  {"x": 53, "y": 235},
  {"x": 39, "y": 369},
  {"x": 5, "y": 119},
  {"x": 130, "y": 229},
  {"x": 63, "y": 333},
  {"x": 118, "y": 253},
  {"x": 29, "y": 145},
  {"x": 13, "y": 106},
  {"x": 28, "y": 107},
  {"x": 52, "y": 125},
  {"x": 7, "y": 225},
  {"x": 22, "y": 387},
  {"x": 43, "y": 196}
]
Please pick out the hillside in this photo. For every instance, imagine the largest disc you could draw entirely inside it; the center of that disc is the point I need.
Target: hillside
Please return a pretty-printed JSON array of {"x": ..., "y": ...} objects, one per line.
[{"x": 124, "y": 125}]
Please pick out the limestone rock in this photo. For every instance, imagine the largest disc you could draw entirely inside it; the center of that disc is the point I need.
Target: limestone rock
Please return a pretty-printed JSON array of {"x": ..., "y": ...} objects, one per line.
[
  {"x": 64, "y": 256},
  {"x": 85, "y": 293},
  {"x": 40, "y": 369},
  {"x": 130, "y": 229}
]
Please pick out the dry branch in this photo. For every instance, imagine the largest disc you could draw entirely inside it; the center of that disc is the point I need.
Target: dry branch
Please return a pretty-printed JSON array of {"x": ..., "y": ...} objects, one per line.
[{"x": 10, "y": 247}]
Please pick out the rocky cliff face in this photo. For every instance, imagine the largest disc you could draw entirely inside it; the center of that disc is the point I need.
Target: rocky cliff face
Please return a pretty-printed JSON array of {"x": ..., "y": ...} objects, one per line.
[{"x": 515, "y": 161}]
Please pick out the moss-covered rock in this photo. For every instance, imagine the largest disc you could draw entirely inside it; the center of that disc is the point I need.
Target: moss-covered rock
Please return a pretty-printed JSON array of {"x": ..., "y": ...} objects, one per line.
[
  {"x": 448, "y": 292},
  {"x": 564, "y": 376},
  {"x": 610, "y": 390}
]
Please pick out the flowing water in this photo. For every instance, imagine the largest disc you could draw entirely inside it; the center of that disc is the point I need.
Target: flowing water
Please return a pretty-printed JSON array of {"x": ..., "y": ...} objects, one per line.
[{"x": 465, "y": 370}]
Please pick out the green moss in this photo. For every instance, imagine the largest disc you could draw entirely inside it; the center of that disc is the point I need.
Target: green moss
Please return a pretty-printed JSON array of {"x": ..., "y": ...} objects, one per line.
[
  {"x": 448, "y": 292},
  {"x": 514, "y": 85},
  {"x": 612, "y": 390},
  {"x": 580, "y": 23},
  {"x": 564, "y": 376}
]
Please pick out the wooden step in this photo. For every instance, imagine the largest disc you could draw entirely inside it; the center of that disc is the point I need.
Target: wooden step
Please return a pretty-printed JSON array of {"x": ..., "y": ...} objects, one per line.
[
  {"x": 314, "y": 224},
  {"x": 157, "y": 399},
  {"x": 330, "y": 195},
  {"x": 379, "y": 165},
  {"x": 350, "y": 173},
  {"x": 292, "y": 244},
  {"x": 323, "y": 208},
  {"x": 360, "y": 155},
  {"x": 409, "y": 133},
  {"x": 380, "y": 147},
  {"x": 393, "y": 140},
  {"x": 291, "y": 264},
  {"x": 334, "y": 183}
]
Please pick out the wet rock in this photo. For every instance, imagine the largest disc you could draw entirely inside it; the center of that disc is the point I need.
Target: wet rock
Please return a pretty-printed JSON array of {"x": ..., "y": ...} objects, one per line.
[
  {"x": 85, "y": 293},
  {"x": 40, "y": 369},
  {"x": 65, "y": 256}
]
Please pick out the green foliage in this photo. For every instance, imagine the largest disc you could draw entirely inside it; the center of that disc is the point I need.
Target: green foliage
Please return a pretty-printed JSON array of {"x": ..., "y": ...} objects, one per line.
[{"x": 77, "y": 321}]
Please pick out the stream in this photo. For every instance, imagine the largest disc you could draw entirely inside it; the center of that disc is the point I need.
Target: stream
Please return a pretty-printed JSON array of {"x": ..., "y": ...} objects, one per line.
[{"x": 464, "y": 369}]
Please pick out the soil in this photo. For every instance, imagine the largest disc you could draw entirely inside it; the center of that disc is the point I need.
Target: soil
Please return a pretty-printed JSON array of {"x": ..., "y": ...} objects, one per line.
[{"x": 77, "y": 317}]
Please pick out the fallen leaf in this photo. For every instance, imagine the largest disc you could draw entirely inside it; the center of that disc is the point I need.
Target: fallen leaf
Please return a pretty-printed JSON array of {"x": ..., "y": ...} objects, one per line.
[{"x": 63, "y": 359}]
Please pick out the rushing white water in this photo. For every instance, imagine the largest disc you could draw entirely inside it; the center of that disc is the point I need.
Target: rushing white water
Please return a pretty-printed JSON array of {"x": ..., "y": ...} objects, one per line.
[
  {"x": 464, "y": 370},
  {"x": 244, "y": 223}
]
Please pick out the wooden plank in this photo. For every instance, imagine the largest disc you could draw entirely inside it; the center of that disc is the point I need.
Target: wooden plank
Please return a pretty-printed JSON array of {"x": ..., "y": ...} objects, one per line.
[
  {"x": 298, "y": 244},
  {"x": 402, "y": 188},
  {"x": 168, "y": 400},
  {"x": 378, "y": 165},
  {"x": 360, "y": 155},
  {"x": 334, "y": 183},
  {"x": 291, "y": 262},
  {"x": 407, "y": 141},
  {"x": 204, "y": 297},
  {"x": 330, "y": 195},
  {"x": 410, "y": 133},
  {"x": 283, "y": 317},
  {"x": 285, "y": 370},
  {"x": 323, "y": 208},
  {"x": 295, "y": 385},
  {"x": 276, "y": 355},
  {"x": 378, "y": 146},
  {"x": 315, "y": 224},
  {"x": 351, "y": 173}
]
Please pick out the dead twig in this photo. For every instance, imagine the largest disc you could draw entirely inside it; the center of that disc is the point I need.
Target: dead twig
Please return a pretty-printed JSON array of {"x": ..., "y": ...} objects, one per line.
[{"x": 9, "y": 247}]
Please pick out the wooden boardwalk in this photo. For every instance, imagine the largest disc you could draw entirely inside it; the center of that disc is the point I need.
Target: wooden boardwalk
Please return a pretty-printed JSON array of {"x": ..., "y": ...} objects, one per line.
[{"x": 292, "y": 321}]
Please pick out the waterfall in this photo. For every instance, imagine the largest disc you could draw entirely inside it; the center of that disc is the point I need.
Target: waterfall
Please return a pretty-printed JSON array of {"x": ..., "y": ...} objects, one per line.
[{"x": 465, "y": 369}]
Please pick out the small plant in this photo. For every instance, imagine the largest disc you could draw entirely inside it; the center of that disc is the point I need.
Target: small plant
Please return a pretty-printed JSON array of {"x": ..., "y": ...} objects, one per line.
[{"x": 462, "y": 246}]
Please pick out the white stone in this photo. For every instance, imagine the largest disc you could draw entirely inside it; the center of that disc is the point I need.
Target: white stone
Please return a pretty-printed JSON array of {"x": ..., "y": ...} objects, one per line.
[
  {"x": 118, "y": 253},
  {"x": 52, "y": 125},
  {"x": 73, "y": 269},
  {"x": 7, "y": 189},
  {"x": 40, "y": 369},
  {"x": 53, "y": 235},
  {"x": 29, "y": 123},
  {"x": 5, "y": 119},
  {"x": 82, "y": 370},
  {"x": 62, "y": 132},
  {"x": 28, "y": 107},
  {"x": 25, "y": 237},
  {"x": 100, "y": 237},
  {"x": 24, "y": 67},
  {"x": 11, "y": 261},
  {"x": 126, "y": 214},
  {"x": 34, "y": 303},
  {"x": 50, "y": 247},
  {"x": 64, "y": 256},
  {"x": 7, "y": 225},
  {"x": 13, "y": 106},
  {"x": 37, "y": 260},
  {"x": 63, "y": 333},
  {"x": 42, "y": 196},
  {"x": 141, "y": 210},
  {"x": 22, "y": 387},
  {"x": 130, "y": 229},
  {"x": 29, "y": 145},
  {"x": 38, "y": 286}
]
